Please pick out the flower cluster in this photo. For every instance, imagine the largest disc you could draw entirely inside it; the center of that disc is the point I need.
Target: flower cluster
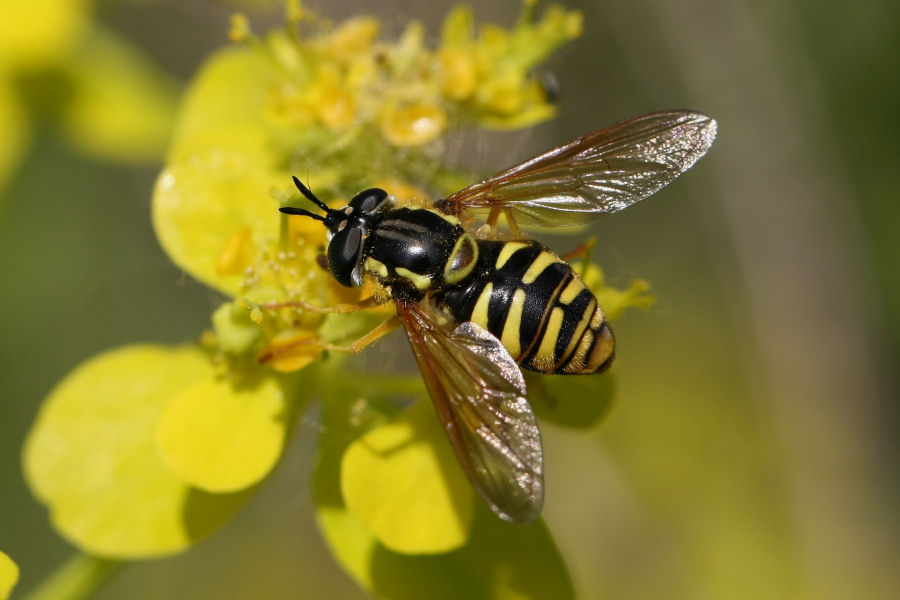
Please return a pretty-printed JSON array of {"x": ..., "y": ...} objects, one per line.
[
  {"x": 347, "y": 111},
  {"x": 144, "y": 450}
]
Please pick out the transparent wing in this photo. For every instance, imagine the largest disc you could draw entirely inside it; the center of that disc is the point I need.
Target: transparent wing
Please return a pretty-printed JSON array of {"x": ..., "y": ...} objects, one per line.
[
  {"x": 602, "y": 172},
  {"x": 479, "y": 395}
]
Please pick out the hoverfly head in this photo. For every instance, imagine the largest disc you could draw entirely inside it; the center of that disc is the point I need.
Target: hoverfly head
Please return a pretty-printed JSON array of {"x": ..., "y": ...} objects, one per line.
[{"x": 347, "y": 228}]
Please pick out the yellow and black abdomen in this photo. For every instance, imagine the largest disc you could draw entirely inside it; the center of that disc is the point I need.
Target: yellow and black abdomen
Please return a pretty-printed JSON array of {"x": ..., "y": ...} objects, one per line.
[{"x": 531, "y": 300}]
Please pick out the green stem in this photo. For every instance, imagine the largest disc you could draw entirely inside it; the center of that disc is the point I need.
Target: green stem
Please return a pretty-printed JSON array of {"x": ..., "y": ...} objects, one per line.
[{"x": 79, "y": 577}]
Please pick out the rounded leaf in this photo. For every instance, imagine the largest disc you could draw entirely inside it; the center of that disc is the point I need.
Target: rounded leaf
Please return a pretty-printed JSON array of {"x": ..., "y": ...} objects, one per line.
[
  {"x": 122, "y": 107},
  {"x": 9, "y": 576},
  {"x": 199, "y": 205},
  {"x": 33, "y": 34},
  {"x": 91, "y": 456},
  {"x": 224, "y": 105},
  {"x": 581, "y": 401},
  {"x": 222, "y": 437},
  {"x": 499, "y": 560},
  {"x": 14, "y": 125},
  {"x": 402, "y": 481},
  {"x": 219, "y": 171}
]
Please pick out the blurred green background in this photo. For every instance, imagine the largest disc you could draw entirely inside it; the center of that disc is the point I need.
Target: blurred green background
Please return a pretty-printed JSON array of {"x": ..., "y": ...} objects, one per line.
[{"x": 752, "y": 451}]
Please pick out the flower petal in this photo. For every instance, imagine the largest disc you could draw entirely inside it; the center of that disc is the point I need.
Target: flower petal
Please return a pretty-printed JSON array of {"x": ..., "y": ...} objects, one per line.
[
  {"x": 402, "y": 481},
  {"x": 222, "y": 437},
  {"x": 92, "y": 458},
  {"x": 9, "y": 576}
]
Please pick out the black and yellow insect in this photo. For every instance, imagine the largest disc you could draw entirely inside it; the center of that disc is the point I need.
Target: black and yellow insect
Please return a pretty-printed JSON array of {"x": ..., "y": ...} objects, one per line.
[{"x": 477, "y": 309}]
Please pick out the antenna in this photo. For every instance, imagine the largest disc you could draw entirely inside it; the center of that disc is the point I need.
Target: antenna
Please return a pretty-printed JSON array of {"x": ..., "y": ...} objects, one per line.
[
  {"x": 309, "y": 195},
  {"x": 290, "y": 210}
]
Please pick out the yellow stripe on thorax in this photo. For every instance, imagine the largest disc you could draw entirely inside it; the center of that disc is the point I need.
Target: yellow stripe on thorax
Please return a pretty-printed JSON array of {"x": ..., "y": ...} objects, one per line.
[
  {"x": 376, "y": 266},
  {"x": 422, "y": 282}
]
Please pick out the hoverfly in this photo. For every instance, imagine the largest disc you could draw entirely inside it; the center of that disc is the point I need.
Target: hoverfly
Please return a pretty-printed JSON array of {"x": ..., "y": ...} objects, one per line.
[{"x": 478, "y": 307}]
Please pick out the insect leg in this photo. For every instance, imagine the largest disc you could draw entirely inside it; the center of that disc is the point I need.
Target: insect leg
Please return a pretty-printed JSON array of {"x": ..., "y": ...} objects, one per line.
[
  {"x": 513, "y": 226},
  {"x": 582, "y": 251},
  {"x": 307, "y": 344},
  {"x": 494, "y": 217},
  {"x": 371, "y": 337},
  {"x": 341, "y": 308}
]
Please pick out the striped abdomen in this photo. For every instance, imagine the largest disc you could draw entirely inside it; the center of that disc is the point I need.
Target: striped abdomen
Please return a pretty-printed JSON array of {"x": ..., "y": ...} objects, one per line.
[{"x": 534, "y": 303}]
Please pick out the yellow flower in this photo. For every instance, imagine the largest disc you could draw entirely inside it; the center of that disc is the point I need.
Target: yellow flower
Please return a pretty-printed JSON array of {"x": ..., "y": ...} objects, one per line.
[
  {"x": 412, "y": 125},
  {"x": 490, "y": 75}
]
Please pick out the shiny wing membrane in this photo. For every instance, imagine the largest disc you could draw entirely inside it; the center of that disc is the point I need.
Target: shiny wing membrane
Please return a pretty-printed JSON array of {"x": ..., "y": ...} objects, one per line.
[
  {"x": 479, "y": 394},
  {"x": 602, "y": 172}
]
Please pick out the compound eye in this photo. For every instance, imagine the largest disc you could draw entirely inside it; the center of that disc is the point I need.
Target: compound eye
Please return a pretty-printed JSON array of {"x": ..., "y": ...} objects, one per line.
[
  {"x": 344, "y": 253},
  {"x": 369, "y": 201}
]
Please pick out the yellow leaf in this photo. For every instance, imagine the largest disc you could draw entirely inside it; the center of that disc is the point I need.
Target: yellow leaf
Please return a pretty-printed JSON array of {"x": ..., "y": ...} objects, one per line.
[
  {"x": 200, "y": 204},
  {"x": 581, "y": 401},
  {"x": 219, "y": 171},
  {"x": 223, "y": 437},
  {"x": 122, "y": 106},
  {"x": 351, "y": 543},
  {"x": 402, "y": 482},
  {"x": 14, "y": 125},
  {"x": 224, "y": 106},
  {"x": 9, "y": 576},
  {"x": 35, "y": 33},
  {"x": 91, "y": 456},
  {"x": 499, "y": 560}
]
